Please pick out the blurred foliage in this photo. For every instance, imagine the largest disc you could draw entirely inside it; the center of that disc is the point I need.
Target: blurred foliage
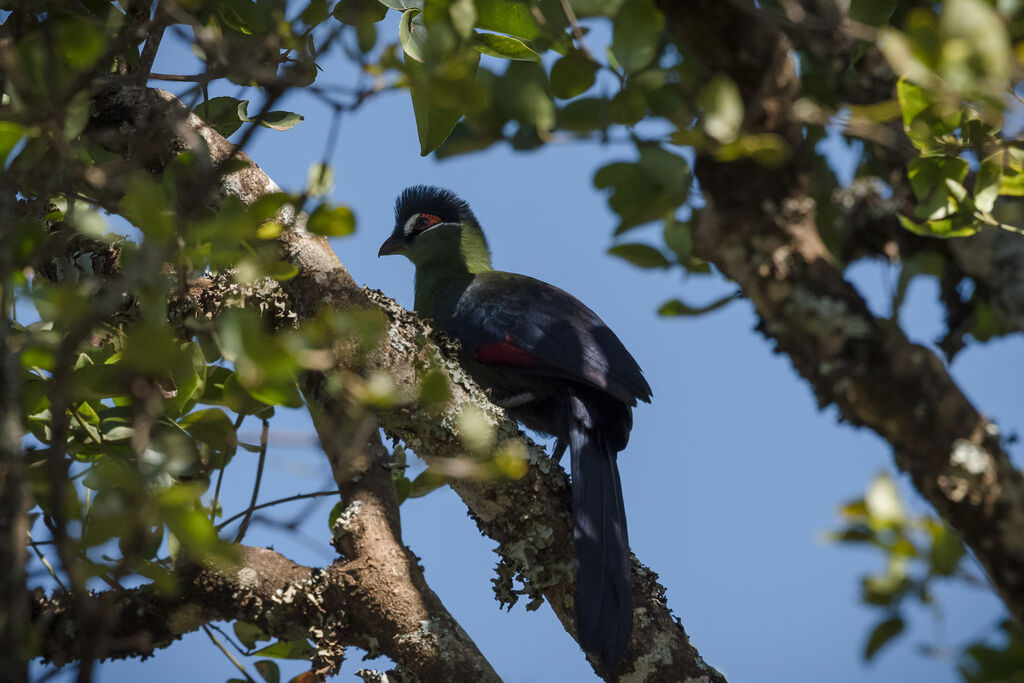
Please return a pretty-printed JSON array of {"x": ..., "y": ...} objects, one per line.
[
  {"x": 918, "y": 552},
  {"x": 130, "y": 418}
]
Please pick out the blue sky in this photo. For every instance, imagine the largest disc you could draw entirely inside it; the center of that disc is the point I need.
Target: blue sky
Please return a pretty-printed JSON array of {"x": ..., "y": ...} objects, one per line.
[{"x": 732, "y": 475}]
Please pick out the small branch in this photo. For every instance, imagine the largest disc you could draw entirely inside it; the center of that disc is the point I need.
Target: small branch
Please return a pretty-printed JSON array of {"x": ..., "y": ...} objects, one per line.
[
  {"x": 576, "y": 29},
  {"x": 205, "y": 77},
  {"x": 244, "y": 526},
  {"x": 148, "y": 56},
  {"x": 528, "y": 517},
  {"x": 768, "y": 243},
  {"x": 227, "y": 654},
  {"x": 279, "y": 501}
]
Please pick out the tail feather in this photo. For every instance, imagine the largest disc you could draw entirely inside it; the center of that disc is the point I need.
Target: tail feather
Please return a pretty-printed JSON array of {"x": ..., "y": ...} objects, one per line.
[{"x": 604, "y": 600}]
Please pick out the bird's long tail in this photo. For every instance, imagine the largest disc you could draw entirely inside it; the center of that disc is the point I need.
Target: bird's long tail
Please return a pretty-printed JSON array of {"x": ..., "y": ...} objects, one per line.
[{"x": 604, "y": 600}]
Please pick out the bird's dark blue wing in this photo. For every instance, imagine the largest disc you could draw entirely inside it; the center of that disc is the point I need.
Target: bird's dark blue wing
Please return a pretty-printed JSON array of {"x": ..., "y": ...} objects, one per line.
[{"x": 515, "y": 320}]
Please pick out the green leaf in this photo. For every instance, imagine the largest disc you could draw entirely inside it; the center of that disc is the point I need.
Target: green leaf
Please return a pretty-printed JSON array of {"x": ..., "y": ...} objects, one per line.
[
  {"x": 360, "y": 12},
  {"x": 11, "y": 134},
  {"x": 723, "y": 109},
  {"x": 316, "y": 12},
  {"x": 947, "y": 549},
  {"x": 288, "y": 649},
  {"x": 642, "y": 255},
  {"x": 882, "y": 634},
  {"x": 982, "y": 64},
  {"x": 282, "y": 271},
  {"x": 427, "y": 481},
  {"x": 872, "y": 12},
  {"x": 943, "y": 228},
  {"x": 507, "y": 16},
  {"x": 670, "y": 170},
  {"x": 921, "y": 122},
  {"x": 883, "y": 503},
  {"x": 221, "y": 113},
  {"x": 675, "y": 307},
  {"x": 434, "y": 123},
  {"x": 928, "y": 176},
  {"x": 80, "y": 41},
  {"x": 268, "y": 670},
  {"x": 584, "y": 115},
  {"x": 235, "y": 397},
  {"x": 277, "y": 391},
  {"x": 277, "y": 120},
  {"x": 637, "y": 34},
  {"x": 211, "y": 426},
  {"x": 988, "y": 182},
  {"x": 595, "y": 8},
  {"x": 412, "y": 33},
  {"x": 678, "y": 237},
  {"x": 249, "y": 634},
  {"x": 637, "y": 197},
  {"x": 1012, "y": 183},
  {"x": 522, "y": 94},
  {"x": 402, "y": 5},
  {"x": 180, "y": 508},
  {"x": 628, "y": 107},
  {"x": 573, "y": 75},
  {"x": 335, "y": 513},
  {"x": 147, "y": 207},
  {"x": 434, "y": 390},
  {"x": 463, "y": 16},
  {"x": 320, "y": 180},
  {"x": 332, "y": 221},
  {"x": 504, "y": 47}
]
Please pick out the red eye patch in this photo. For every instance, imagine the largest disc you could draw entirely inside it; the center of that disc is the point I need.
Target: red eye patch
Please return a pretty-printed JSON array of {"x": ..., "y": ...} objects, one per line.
[{"x": 427, "y": 220}]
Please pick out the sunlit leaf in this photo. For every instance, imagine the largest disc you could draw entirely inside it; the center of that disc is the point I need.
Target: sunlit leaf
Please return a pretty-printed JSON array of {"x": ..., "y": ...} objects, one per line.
[
  {"x": 504, "y": 47},
  {"x": 331, "y": 221},
  {"x": 723, "y": 109},
  {"x": 287, "y": 649},
  {"x": 507, "y": 16}
]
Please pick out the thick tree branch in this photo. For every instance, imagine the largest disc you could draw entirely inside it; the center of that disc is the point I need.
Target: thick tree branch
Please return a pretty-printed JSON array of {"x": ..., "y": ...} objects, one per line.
[
  {"x": 388, "y": 588},
  {"x": 528, "y": 517},
  {"x": 768, "y": 242},
  {"x": 264, "y": 588}
]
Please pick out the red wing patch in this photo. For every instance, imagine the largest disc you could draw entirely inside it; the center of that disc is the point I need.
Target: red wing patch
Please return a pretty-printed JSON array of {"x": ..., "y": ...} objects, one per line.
[{"x": 504, "y": 353}]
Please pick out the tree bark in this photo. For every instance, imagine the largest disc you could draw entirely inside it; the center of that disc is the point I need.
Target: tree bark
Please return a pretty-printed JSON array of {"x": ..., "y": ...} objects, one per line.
[
  {"x": 768, "y": 242},
  {"x": 529, "y": 517}
]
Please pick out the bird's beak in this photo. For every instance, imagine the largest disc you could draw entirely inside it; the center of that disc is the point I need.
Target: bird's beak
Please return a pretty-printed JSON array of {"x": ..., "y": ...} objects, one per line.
[{"x": 392, "y": 245}]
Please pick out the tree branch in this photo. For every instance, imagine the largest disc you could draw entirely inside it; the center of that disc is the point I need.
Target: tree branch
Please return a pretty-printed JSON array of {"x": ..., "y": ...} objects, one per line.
[
  {"x": 528, "y": 517},
  {"x": 769, "y": 244}
]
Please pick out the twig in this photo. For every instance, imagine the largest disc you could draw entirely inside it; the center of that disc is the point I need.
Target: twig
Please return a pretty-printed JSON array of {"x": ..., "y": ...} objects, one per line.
[
  {"x": 46, "y": 563},
  {"x": 228, "y": 654},
  {"x": 244, "y": 526},
  {"x": 576, "y": 30},
  {"x": 279, "y": 501}
]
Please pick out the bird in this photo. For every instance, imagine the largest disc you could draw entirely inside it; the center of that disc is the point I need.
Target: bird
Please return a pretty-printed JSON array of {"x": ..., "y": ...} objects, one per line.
[{"x": 556, "y": 367}]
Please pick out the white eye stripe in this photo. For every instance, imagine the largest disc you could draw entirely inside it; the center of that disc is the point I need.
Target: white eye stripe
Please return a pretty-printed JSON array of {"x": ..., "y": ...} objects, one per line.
[{"x": 410, "y": 224}]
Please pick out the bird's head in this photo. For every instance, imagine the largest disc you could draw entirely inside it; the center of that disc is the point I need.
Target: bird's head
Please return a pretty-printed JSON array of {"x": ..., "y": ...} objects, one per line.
[{"x": 431, "y": 222}]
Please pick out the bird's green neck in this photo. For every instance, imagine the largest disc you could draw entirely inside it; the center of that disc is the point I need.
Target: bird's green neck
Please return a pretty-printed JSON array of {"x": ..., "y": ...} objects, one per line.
[{"x": 446, "y": 258}]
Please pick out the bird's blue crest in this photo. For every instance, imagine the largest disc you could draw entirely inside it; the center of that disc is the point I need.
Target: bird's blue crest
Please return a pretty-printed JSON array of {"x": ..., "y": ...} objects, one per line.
[{"x": 438, "y": 201}]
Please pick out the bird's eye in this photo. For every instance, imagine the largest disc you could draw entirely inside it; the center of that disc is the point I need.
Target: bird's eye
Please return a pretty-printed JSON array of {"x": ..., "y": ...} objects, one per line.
[{"x": 424, "y": 221}]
